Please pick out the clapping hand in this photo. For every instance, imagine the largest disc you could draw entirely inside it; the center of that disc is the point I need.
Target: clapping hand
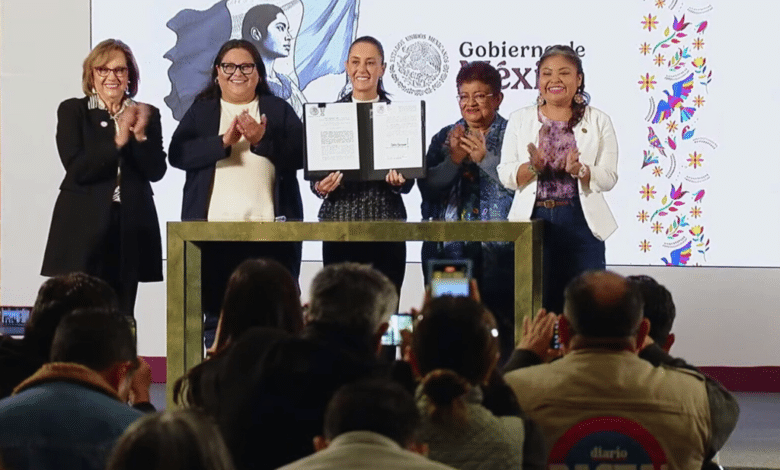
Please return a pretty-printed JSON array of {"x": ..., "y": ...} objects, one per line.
[
  {"x": 536, "y": 157},
  {"x": 573, "y": 165},
  {"x": 538, "y": 333},
  {"x": 474, "y": 144},
  {"x": 143, "y": 113},
  {"x": 232, "y": 135},
  {"x": 252, "y": 130},
  {"x": 125, "y": 122},
  {"x": 457, "y": 151}
]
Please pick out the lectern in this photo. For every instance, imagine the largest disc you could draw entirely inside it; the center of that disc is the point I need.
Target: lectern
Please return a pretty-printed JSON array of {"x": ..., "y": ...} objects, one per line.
[{"x": 185, "y": 239}]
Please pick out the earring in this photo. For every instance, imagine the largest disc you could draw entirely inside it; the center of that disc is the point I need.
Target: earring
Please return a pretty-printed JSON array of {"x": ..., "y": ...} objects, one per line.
[
  {"x": 539, "y": 100},
  {"x": 579, "y": 98}
]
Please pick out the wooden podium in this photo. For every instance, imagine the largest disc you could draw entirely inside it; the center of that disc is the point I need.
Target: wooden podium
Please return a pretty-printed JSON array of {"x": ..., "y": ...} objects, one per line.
[{"x": 185, "y": 316}]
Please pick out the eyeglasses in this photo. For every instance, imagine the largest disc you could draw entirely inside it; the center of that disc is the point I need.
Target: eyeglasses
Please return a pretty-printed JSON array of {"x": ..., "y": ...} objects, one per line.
[
  {"x": 480, "y": 98},
  {"x": 230, "y": 69},
  {"x": 104, "y": 71}
]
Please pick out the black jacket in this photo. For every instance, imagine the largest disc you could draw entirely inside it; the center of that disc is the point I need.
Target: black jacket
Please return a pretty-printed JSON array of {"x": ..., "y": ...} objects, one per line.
[
  {"x": 196, "y": 146},
  {"x": 80, "y": 223}
]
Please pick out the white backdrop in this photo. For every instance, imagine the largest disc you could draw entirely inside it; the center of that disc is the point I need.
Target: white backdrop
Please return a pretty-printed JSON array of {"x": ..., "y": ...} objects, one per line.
[
  {"x": 719, "y": 309},
  {"x": 711, "y": 222}
]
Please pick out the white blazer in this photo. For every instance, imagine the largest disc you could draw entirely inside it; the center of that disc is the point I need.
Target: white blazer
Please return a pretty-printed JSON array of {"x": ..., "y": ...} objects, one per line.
[{"x": 598, "y": 149}]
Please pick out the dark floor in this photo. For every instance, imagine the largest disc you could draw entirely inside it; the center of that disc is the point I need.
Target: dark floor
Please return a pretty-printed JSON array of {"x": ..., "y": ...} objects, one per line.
[{"x": 755, "y": 443}]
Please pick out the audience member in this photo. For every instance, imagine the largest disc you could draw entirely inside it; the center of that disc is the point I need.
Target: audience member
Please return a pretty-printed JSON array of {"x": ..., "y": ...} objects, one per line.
[
  {"x": 70, "y": 412},
  {"x": 369, "y": 425},
  {"x": 173, "y": 440},
  {"x": 260, "y": 292},
  {"x": 350, "y": 304},
  {"x": 600, "y": 375},
  {"x": 455, "y": 348},
  {"x": 57, "y": 297}
]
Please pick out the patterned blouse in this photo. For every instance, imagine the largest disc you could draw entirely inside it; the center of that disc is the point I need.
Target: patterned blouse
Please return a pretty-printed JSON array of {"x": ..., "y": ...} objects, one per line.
[{"x": 555, "y": 141}]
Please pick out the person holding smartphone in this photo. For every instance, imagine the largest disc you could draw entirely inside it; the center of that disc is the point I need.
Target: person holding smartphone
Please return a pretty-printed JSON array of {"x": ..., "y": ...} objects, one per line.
[{"x": 462, "y": 184}]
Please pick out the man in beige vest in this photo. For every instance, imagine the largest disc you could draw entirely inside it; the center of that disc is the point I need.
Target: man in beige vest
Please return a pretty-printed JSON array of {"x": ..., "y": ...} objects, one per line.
[{"x": 601, "y": 403}]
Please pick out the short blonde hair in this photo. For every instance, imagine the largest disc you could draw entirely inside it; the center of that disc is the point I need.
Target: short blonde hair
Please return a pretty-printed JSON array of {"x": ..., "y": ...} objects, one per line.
[{"x": 99, "y": 56}]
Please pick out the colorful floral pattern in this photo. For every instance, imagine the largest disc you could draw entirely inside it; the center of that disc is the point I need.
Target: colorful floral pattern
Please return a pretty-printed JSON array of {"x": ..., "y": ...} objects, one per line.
[{"x": 674, "y": 78}]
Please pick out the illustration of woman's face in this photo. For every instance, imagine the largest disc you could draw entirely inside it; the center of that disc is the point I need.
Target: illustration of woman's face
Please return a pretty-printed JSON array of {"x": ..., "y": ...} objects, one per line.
[{"x": 277, "y": 41}]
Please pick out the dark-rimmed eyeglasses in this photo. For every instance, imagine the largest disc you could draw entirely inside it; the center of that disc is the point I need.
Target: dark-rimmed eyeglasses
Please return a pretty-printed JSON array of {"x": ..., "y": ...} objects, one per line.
[
  {"x": 480, "y": 98},
  {"x": 230, "y": 69},
  {"x": 118, "y": 71}
]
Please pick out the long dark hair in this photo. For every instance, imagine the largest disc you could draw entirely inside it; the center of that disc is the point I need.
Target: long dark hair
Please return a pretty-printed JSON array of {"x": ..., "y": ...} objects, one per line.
[
  {"x": 213, "y": 90},
  {"x": 346, "y": 92},
  {"x": 260, "y": 292},
  {"x": 577, "y": 109}
]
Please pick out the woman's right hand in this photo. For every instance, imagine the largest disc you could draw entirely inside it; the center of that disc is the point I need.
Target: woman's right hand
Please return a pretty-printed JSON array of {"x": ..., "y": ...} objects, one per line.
[
  {"x": 457, "y": 152},
  {"x": 326, "y": 185},
  {"x": 232, "y": 135},
  {"x": 536, "y": 157},
  {"x": 125, "y": 122}
]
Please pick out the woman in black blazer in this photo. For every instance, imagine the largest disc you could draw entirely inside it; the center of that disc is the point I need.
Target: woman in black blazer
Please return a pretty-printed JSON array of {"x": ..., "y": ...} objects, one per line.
[{"x": 104, "y": 222}]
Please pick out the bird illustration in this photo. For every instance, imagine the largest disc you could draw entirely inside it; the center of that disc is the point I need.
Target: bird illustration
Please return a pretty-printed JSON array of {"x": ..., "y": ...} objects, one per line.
[
  {"x": 680, "y": 91},
  {"x": 679, "y": 256},
  {"x": 649, "y": 158},
  {"x": 687, "y": 134},
  {"x": 672, "y": 143},
  {"x": 655, "y": 141}
]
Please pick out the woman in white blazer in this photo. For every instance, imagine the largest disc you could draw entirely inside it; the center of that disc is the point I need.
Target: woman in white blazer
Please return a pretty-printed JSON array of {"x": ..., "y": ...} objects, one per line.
[{"x": 560, "y": 156}]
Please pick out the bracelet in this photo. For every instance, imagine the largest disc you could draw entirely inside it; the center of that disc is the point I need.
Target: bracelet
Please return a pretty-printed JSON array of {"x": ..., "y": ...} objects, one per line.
[
  {"x": 533, "y": 169},
  {"x": 583, "y": 171}
]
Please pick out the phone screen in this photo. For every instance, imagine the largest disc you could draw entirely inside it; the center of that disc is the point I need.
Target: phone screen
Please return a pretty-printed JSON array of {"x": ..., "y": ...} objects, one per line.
[
  {"x": 398, "y": 322},
  {"x": 450, "y": 277},
  {"x": 13, "y": 320}
]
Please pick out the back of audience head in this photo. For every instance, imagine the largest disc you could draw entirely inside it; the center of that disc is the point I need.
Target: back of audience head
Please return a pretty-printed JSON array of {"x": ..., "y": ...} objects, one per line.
[
  {"x": 376, "y": 405},
  {"x": 602, "y": 309},
  {"x": 355, "y": 297},
  {"x": 455, "y": 347},
  {"x": 101, "y": 340},
  {"x": 57, "y": 297},
  {"x": 172, "y": 440},
  {"x": 658, "y": 308},
  {"x": 260, "y": 292}
]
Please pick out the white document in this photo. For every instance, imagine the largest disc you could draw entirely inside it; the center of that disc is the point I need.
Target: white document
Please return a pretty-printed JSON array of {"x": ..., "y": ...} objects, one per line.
[
  {"x": 397, "y": 135},
  {"x": 332, "y": 137}
]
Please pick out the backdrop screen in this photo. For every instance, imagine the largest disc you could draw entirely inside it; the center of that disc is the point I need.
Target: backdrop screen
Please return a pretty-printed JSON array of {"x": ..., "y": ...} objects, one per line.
[{"x": 697, "y": 155}]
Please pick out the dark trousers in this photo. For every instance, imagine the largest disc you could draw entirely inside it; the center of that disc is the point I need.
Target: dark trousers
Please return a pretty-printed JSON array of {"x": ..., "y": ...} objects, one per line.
[
  {"x": 389, "y": 258},
  {"x": 569, "y": 250},
  {"x": 114, "y": 271}
]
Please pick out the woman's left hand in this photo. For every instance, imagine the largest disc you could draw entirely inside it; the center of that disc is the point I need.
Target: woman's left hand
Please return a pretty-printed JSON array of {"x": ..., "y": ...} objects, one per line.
[
  {"x": 143, "y": 113},
  {"x": 474, "y": 144},
  {"x": 252, "y": 130},
  {"x": 395, "y": 178}
]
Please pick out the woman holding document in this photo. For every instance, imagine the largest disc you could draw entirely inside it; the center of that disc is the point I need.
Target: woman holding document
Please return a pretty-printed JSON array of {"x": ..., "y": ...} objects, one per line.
[{"x": 365, "y": 200}]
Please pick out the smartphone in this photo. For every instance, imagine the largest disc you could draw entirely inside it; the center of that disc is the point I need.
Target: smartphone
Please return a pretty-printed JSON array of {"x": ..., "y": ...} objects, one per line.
[
  {"x": 13, "y": 320},
  {"x": 398, "y": 322},
  {"x": 450, "y": 277},
  {"x": 555, "y": 342}
]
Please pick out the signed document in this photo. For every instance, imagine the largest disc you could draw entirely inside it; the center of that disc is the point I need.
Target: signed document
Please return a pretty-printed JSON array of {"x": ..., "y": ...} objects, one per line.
[
  {"x": 397, "y": 135},
  {"x": 332, "y": 137},
  {"x": 364, "y": 140}
]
